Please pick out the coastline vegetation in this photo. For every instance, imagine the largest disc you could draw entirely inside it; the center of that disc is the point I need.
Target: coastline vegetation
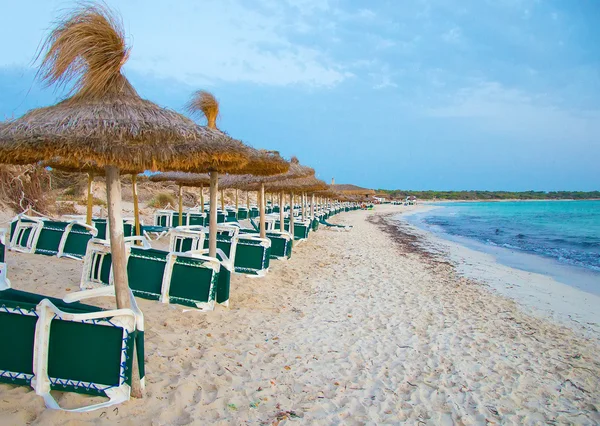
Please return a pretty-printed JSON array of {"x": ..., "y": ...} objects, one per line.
[{"x": 491, "y": 195}]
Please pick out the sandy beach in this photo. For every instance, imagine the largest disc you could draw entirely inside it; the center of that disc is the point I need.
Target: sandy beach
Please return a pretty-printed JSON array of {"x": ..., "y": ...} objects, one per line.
[{"x": 358, "y": 327}]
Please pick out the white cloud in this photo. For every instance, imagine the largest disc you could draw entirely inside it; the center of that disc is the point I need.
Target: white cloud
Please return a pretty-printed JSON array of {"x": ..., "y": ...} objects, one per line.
[
  {"x": 453, "y": 35},
  {"x": 514, "y": 112},
  {"x": 227, "y": 41},
  {"x": 217, "y": 40}
]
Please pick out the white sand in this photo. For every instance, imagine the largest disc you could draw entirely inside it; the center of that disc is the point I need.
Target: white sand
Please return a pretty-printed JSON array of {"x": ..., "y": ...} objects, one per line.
[{"x": 352, "y": 330}]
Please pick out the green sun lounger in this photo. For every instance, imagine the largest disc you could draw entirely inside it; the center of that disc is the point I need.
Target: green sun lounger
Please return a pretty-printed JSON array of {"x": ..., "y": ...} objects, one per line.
[
  {"x": 333, "y": 225},
  {"x": 242, "y": 213},
  {"x": 231, "y": 216},
  {"x": 188, "y": 279},
  {"x": 251, "y": 254},
  {"x": 69, "y": 347},
  {"x": 281, "y": 242},
  {"x": 50, "y": 238},
  {"x": 301, "y": 229}
]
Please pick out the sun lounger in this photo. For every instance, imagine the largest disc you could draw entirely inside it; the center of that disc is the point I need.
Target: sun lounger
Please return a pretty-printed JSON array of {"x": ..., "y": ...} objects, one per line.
[
  {"x": 69, "y": 347},
  {"x": 231, "y": 216},
  {"x": 332, "y": 225},
  {"x": 301, "y": 228},
  {"x": 188, "y": 279},
  {"x": 251, "y": 254},
  {"x": 49, "y": 237},
  {"x": 281, "y": 242},
  {"x": 242, "y": 213}
]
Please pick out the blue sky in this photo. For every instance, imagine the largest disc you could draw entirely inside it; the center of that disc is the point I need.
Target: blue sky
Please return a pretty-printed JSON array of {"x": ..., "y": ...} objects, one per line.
[{"x": 423, "y": 94}]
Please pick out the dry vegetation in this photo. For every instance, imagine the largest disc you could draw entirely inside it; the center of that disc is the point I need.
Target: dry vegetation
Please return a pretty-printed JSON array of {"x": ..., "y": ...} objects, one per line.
[{"x": 23, "y": 187}]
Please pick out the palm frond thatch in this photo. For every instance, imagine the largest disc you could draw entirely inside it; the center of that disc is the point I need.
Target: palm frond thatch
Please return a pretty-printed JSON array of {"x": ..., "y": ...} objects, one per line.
[
  {"x": 349, "y": 189},
  {"x": 88, "y": 48},
  {"x": 205, "y": 104},
  {"x": 295, "y": 171},
  {"x": 183, "y": 179},
  {"x": 90, "y": 168},
  {"x": 305, "y": 184}
]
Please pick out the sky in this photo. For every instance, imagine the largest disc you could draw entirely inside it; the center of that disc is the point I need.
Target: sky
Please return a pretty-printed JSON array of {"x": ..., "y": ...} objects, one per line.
[{"x": 412, "y": 94}]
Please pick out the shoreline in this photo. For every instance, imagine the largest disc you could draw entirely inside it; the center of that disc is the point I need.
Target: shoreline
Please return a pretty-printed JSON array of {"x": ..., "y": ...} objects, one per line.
[{"x": 537, "y": 293}]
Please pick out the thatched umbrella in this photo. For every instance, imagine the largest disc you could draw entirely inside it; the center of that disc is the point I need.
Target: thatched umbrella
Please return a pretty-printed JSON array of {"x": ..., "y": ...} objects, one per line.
[
  {"x": 348, "y": 189},
  {"x": 106, "y": 122},
  {"x": 261, "y": 183},
  {"x": 304, "y": 184},
  {"x": 184, "y": 179},
  {"x": 260, "y": 163}
]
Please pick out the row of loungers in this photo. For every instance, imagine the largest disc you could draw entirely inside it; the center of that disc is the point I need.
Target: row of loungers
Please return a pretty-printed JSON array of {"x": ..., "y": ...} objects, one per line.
[{"x": 54, "y": 341}]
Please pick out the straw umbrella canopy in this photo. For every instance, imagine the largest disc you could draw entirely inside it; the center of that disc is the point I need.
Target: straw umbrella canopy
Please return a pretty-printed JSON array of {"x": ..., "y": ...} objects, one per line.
[
  {"x": 291, "y": 186},
  {"x": 260, "y": 163},
  {"x": 106, "y": 122},
  {"x": 349, "y": 189},
  {"x": 261, "y": 183}
]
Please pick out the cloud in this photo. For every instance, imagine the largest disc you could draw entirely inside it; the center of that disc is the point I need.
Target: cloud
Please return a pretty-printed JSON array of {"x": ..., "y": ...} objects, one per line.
[
  {"x": 217, "y": 41},
  {"x": 509, "y": 111},
  {"x": 453, "y": 35}
]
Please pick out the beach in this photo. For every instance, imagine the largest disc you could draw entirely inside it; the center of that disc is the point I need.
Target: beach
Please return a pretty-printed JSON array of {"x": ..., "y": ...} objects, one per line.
[{"x": 358, "y": 327}]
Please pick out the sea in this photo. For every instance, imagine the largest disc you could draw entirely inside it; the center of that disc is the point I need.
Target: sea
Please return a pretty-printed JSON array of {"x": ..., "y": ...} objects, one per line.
[{"x": 556, "y": 238}]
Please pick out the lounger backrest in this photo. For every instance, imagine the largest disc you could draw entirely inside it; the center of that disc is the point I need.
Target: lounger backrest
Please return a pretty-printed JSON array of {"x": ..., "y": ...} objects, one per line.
[
  {"x": 101, "y": 226},
  {"x": 196, "y": 219},
  {"x": 253, "y": 255},
  {"x": 182, "y": 240},
  {"x": 50, "y": 237},
  {"x": 145, "y": 268},
  {"x": 75, "y": 241},
  {"x": 163, "y": 218},
  {"x": 192, "y": 280}
]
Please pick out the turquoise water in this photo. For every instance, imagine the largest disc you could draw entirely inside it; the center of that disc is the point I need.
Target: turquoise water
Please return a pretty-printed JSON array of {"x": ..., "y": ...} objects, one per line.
[{"x": 567, "y": 232}]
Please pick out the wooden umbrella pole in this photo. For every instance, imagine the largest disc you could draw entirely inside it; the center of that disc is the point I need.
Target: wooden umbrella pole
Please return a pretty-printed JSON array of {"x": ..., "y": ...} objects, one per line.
[
  {"x": 281, "y": 213},
  {"x": 236, "y": 200},
  {"x": 90, "y": 200},
  {"x": 248, "y": 202},
  {"x": 119, "y": 258},
  {"x": 303, "y": 206},
  {"x": 117, "y": 239},
  {"x": 180, "y": 205},
  {"x": 212, "y": 224},
  {"x": 136, "y": 206},
  {"x": 263, "y": 231},
  {"x": 292, "y": 215},
  {"x": 202, "y": 198},
  {"x": 223, "y": 200},
  {"x": 312, "y": 207}
]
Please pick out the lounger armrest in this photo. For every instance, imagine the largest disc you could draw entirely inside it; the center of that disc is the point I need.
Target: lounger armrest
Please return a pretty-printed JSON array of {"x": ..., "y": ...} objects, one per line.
[
  {"x": 108, "y": 290},
  {"x": 90, "y": 228},
  {"x": 265, "y": 242},
  {"x": 140, "y": 238}
]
